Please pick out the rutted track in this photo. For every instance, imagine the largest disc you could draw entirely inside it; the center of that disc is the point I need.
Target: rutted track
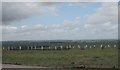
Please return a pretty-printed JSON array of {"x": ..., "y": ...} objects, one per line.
[{"x": 19, "y": 66}]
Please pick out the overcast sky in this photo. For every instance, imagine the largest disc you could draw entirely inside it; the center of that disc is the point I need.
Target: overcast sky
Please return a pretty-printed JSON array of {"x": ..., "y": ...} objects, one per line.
[{"x": 59, "y": 21}]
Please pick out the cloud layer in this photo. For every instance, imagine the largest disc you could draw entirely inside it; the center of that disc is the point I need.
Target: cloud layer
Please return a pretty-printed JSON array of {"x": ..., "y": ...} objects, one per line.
[
  {"x": 105, "y": 20},
  {"x": 60, "y": 0},
  {"x": 100, "y": 25}
]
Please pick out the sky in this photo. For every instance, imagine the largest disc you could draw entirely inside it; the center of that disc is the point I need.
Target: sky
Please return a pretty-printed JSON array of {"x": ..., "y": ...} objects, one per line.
[{"x": 59, "y": 20}]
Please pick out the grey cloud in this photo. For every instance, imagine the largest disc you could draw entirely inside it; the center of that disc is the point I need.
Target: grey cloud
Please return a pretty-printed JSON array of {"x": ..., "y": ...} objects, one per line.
[{"x": 14, "y": 11}]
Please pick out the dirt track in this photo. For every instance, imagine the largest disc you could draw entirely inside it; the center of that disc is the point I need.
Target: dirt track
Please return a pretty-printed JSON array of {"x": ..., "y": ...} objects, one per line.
[
  {"x": 18, "y": 66},
  {"x": 23, "y": 67}
]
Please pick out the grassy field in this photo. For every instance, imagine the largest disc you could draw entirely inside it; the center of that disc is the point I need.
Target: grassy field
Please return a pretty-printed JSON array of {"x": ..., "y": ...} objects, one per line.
[{"x": 90, "y": 58}]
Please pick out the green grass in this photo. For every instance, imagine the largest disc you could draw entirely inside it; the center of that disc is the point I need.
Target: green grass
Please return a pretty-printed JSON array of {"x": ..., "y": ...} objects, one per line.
[{"x": 97, "y": 58}]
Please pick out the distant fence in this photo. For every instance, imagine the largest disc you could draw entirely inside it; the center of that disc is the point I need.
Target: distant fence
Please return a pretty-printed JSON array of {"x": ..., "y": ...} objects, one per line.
[{"x": 60, "y": 47}]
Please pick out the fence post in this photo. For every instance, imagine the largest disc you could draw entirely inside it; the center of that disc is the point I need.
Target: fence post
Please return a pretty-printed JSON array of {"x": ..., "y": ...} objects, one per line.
[
  {"x": 3, "y": 48},
  {"x": 31, "y": 48},
  {"x": 73, "y": 47},
  {"x": 109, "y": 46},
  {"x": 85, "y": 46},
  {"x": 114, "y": 46},
  {"x": 105, "y": 46},
  {"x": 61, "y": 47},
  {"x": 49, "y": 47},
  {"x": 55, "y": 48},
  {"x": 8, "y": 48},
  {"x": 66, "y": 47},
  {"x": 20, "y": 47},
  {"x": 78, "y": 46},
  {"x": 11, "y": 47},
  {"x": 90, "y": 46},
  {"x": 69, "y": 46},
  {"x": 100, "y": 46},
  {"x": 42, "y": 48},
  {"x": 28, "y": 47},
  {"x": 35, "y": 48}
]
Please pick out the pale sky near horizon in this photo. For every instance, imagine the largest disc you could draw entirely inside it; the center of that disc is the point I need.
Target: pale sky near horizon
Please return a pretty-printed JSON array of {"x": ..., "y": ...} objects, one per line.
[{"x": 59, "y": 21}]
